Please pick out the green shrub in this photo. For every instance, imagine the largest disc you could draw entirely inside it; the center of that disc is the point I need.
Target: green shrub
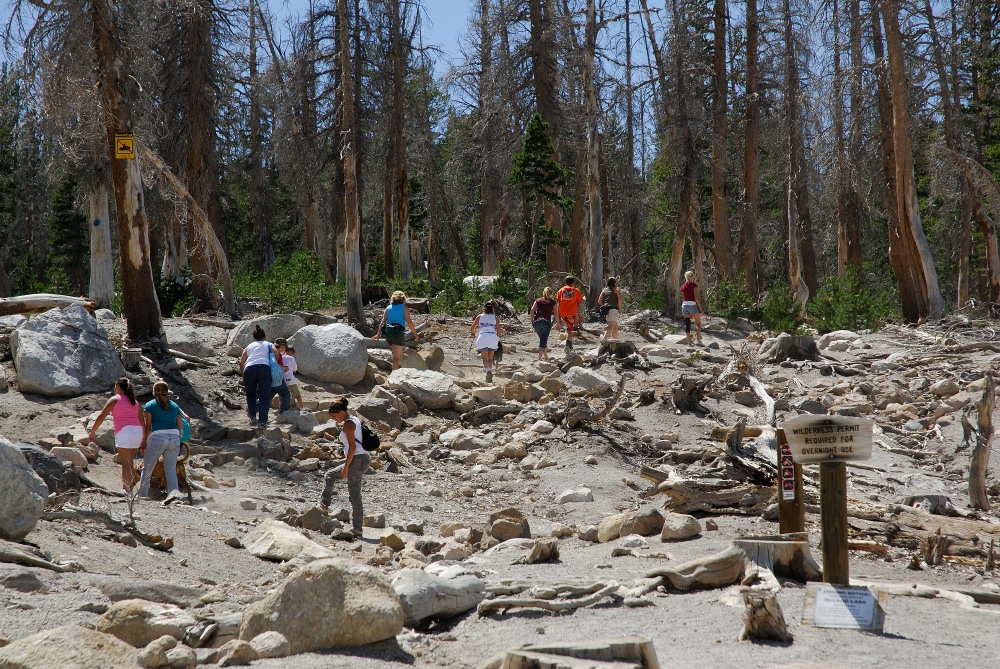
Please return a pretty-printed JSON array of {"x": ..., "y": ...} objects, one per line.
[
  {"x": 298, "y": 283},
  {"x": 731, "y": 300},
  {"x": 849, "y": 304},
  {"x": 780, "y": 311},
  {"x": 175, "y": 295}
]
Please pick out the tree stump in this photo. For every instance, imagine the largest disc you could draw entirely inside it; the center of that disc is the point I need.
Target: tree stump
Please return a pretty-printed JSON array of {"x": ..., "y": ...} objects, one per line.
[
  {"x": 687, "y": 394},
  {"x": 764, "y": 619},
  {"x": 615, "y": 653},
  {"x": 647, "y": 397},
  {"x": 934, "y": 547},
  {"x": 618, "y": 349},
  {"x": 790, "y": 347}
]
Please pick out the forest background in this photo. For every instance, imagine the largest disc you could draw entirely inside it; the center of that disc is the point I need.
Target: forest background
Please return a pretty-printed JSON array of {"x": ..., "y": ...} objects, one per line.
[{"x": 831, "y": 160}]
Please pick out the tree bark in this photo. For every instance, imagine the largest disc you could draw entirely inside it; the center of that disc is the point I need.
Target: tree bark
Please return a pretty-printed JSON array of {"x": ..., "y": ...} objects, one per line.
[
  {"x": 596, "y": 244},
  {"x": 399, "y": 50},
  {"x": 799, "y": 247},
  {"x": 747, "y": 249},
  {"x": 720, "y": 215},
  {"x": 490, "y": 182},
  {"x": 981, "y": 440},
  {"x": 261, "y": 233},
  {"x": 102, "y": 271},
  {"x": 139, "y": 302},
  {"x": 924, "y": 293},
  {"x": 545, "y": 72},
  {"x": 352, "y": 260},
  {"x": 202, "y": 166}
]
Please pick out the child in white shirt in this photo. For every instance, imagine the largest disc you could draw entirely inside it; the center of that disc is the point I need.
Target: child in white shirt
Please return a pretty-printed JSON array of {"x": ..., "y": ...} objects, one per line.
[{"x": 290, "y": 368}]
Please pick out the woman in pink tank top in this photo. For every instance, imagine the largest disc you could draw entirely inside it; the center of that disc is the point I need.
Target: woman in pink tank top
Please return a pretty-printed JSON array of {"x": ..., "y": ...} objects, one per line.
[{"x": 127, "y": 416}]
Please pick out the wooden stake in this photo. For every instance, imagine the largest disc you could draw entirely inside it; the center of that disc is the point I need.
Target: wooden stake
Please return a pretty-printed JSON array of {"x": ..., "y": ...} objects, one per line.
[
  {"x": 833, "y": 516},
  {"x": 792, "y": 512}
]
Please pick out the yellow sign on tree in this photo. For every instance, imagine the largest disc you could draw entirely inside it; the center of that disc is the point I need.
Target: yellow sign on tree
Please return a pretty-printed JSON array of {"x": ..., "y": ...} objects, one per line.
[{"x": 124, "y": 147}]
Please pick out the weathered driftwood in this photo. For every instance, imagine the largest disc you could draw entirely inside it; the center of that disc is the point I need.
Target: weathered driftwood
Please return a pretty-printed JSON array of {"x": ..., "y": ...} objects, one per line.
[
  {"x": 634, "y": 652},
  {"x": 490, "y": 411},
  {"x": 28, "y": 556},
  {"x": 504, "y": 603},
  {"x": 908, "y": 528},
  {"x": 69, "y": 512},
  {"x": 615, "y": 399},
  {"x": 761, "y": 392},
  {"x": 543, "y": 550},
  {"x": 190, "y": 358},
  {"x": 715, "y": 496},
  {"x": 749, "y": 561},
  {"x": 757, "y": 458},
  {"x": 764, "y": 620},
  {"x": 570, "y": 587},
  {"x": 201, "y": 320},
  {"x": 687, "y": 394},
  {"x": 933, "y": 548},
  {"x": 789, "y": 347},
  {"x": 969, "y": 598},
  {"x": 39, "y": 302},
  {"x": 980, "y": 437},
  {"x": 426, "y": 596}
]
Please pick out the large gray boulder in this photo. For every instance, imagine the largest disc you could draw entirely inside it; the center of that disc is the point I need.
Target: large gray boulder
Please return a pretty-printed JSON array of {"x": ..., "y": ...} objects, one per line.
[
  {"x": 589, "y": 380},
  {"x": 64, "y": 353},
  {"x": 203, "y": 341},
  {"x": 332, "y": 353},
  {"x": 23, "y": 493},
  {"x": 274, "y": 326},
  {"x": 431, "y": 390},
  {"x": 334, "y": 603},
  {"x": 69, "y": 647},
  {"x": 58, "y": 478},
  {"x": 278, "y": 541}
]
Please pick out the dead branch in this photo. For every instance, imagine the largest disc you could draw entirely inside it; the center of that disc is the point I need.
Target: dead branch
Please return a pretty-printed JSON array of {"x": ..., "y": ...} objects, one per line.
[
  {"x": 68, "y": 512},
  {"x": 505, "y": 603},
  {"x": 26, "y": 555}
]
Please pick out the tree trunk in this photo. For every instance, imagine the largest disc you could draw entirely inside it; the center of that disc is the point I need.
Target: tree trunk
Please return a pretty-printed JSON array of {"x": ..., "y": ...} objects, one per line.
[
  {"x": 925, "y": 293},
  {"x": 355, "y": 308},
  {"x": 596, "y": 242},
  {"x": 388, "y": 240},
  {"x": 202, "y": 168},
  {"x": 720, "y": 216},
  {"x": 850, "y": 202},
  {"x": 139, "y": 302},
  {"x": 261, "y": 233},
  {"x": 544, "y": 69},
  {"x": 399, "y": 53},
  {"x": 747, "y": 249},
  {"x": 490, "y": 182},
  {"x": 102, "y": 271},
  {"x": 799, "y": 245}
]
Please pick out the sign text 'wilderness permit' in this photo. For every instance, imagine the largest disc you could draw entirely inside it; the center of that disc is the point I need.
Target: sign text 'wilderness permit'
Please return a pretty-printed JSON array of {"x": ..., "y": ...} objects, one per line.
[{"x": 813, "y": 438}]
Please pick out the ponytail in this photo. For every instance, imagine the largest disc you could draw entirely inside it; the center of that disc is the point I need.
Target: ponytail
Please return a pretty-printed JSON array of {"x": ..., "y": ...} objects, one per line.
[
  {"x": 258, "y": 333},
  {"x": 161, "y": 391},
  {"x": 126, "y": 387}
]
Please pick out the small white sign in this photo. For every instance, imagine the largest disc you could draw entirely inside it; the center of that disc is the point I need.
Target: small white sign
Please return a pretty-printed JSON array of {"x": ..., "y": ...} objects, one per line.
[
  {"x": 845, "y": 607},
  {"x": 829, "y": 438}
]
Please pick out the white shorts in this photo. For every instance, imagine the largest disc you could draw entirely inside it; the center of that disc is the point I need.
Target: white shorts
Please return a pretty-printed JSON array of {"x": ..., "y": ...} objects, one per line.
[
  {"x": 129, "y": 437},
  {"x": 612, "y": 316}
]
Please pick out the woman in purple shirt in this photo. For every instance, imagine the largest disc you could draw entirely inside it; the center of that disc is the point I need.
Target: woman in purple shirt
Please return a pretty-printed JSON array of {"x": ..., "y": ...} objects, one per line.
[{"x": 541, "y": 320}]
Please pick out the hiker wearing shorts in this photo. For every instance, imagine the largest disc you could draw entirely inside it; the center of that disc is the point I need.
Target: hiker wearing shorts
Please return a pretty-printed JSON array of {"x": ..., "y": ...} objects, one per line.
[{"x": 570, "y": 310}]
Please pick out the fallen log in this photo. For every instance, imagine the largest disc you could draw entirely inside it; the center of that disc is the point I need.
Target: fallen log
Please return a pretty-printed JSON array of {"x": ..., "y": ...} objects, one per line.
[
  {"x": 28, "y": 556},
  {"x": 190, "y": 358},
  {"x": 39, "y": 302},
  {"x": 715, "y": 495},
  {"x": 980, "y": 438},
  {"x": 69, "y": 512},
  {"x": 426, "y": 596},
  {"x": 490, "y": 411}
]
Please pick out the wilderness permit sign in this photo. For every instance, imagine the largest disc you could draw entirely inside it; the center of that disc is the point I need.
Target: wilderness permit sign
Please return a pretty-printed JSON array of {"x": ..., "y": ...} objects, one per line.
[{"x": 814, "y": 438}]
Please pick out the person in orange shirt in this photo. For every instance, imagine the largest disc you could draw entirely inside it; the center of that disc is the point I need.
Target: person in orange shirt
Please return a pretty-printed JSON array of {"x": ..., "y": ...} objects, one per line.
[{"x": 570, "y": 309}]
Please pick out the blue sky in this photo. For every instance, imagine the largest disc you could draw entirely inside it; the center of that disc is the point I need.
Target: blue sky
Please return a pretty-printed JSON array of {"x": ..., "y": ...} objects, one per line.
[{"x": 445, "y": 21}]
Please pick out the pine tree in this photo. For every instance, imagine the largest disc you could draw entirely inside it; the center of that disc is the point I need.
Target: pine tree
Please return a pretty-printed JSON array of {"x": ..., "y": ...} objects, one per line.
[{"x": 68, "y": 242}]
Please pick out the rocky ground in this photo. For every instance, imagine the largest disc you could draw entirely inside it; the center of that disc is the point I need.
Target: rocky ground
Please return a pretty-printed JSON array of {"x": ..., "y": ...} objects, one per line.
[{"x": 431, "y": 481}]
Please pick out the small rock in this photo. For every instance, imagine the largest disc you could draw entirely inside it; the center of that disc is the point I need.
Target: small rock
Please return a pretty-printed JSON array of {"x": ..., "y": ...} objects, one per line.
[
  {"x": 546, "y": 462},
  {"x": 236, "y": 653},
  {"x": 377, "y": 521},
  {"x": 621, "y": 552},
  {"x": 515, "y": 451},
  {"x": 248, "y": 504},
  {"x": 467, "y": 491},
  {"x": 542, "y": 427},
  {"x": 588, "y": 533},
  {"x": 182, "y": 657},
  {"x": 679, "y": 526},
  {"x": 559, "y": 531},
  {"x": 575, "y": 495},
  {"x": 392, "y": 540},
  {"x": 711, "y": 525},
  {"x": 590, "y": 460},
  {"x": 154, "y": 655},
  {"x": 234, "y": 542},
  {"x": 270, "y": 644},
  {"x": 633, "y": 541}
]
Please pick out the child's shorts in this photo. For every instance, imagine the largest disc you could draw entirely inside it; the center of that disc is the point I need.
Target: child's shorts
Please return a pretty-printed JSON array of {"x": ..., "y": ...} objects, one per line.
[{"x": 293, "y": 390}]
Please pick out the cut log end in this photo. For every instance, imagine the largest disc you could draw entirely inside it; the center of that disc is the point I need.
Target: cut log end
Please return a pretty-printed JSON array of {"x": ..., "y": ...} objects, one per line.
[{"x": 764, "y": 620}]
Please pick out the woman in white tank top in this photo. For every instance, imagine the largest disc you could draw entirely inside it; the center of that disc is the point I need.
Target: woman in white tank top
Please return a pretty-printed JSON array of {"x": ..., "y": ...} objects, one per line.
[{"x": 486, "y": 329}]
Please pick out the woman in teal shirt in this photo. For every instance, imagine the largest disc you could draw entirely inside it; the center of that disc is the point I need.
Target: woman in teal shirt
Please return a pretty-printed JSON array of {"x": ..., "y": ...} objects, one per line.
[
  {"x": 395, "y": 320},
  {"x": 161, "y": 436}
]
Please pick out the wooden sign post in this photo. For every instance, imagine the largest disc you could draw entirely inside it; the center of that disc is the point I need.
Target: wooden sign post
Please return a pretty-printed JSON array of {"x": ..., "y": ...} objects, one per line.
[
  {"x": 831, "y": 441},
  {"x": 791, "y": 506}
]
